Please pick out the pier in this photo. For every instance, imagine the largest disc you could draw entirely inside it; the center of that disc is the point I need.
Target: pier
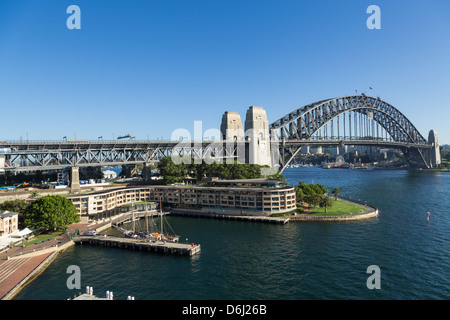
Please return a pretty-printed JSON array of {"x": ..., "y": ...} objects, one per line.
[
  {"x": 146, "y": 245},
  {"x": 233, "y": 217}
]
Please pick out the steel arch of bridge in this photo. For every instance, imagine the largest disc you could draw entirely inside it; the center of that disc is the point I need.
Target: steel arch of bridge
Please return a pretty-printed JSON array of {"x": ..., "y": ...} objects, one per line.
[{"x": 303, "y": 123}]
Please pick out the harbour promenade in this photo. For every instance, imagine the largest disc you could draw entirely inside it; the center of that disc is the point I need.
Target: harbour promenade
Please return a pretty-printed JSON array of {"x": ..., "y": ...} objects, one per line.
[{"x": 20, "y": 265}]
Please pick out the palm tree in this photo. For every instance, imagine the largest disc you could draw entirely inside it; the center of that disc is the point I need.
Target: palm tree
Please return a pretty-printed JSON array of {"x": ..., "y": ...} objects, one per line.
[
  {"x": 335, "y": 192},
  {"x": 325, "y": 202},
  {"x": 33, "y": 194}
]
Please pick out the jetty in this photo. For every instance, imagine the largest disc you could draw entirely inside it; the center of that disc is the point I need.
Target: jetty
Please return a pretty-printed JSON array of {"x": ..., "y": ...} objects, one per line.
[
  {"x": 146, "y": 245},
  {"x": 232, "y": 217}
]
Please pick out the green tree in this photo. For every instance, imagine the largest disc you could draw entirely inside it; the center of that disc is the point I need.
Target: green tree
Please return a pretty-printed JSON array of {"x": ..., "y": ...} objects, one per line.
[
  {"x": 312, "y": 199},
  {"x": 16, "y": 205},
  {"x": 319, "y": 189},
  {"x": 51, "y": 212},
  {"x": 172, "y": 172},
  {"x": 299, "y": 194},
  {"x": 335, "y": 192},
  {"x": 325, "y": 202},
  {"x": 311, "y": 189}
]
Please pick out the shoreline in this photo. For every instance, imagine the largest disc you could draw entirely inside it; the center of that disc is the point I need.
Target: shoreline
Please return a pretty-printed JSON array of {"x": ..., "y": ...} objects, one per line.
[
  {"x": 369, "y": 213},
  {"x": 347, "y": 217},
  {"x": 33, "y": 260},
  {"x": 40, "y": 257}
]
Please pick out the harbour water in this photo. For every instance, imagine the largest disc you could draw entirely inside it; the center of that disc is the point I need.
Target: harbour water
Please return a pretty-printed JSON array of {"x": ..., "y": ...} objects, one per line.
[{"x": 309, "y": 260}]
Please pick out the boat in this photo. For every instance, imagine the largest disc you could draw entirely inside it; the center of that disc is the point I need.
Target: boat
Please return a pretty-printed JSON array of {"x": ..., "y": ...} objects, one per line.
[
  {"x": 151, "y": 235},
  {"x": 161, "y": 236}
]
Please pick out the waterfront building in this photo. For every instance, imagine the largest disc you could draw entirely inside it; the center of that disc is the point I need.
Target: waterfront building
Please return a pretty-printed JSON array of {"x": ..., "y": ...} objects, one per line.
[
  {"x": 249, "y": 197},
  {"x": 9, "y": 222}
]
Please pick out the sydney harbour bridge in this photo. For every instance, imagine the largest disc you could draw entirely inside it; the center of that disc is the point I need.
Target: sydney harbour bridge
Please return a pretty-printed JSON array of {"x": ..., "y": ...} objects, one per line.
[{"x": 356, "y": 120}]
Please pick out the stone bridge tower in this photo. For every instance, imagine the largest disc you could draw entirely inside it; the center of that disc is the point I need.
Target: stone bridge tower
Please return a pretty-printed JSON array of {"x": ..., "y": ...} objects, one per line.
[
  {"x": 435, "y": 152},
  {"x": 231, "y": 126},
  {"x": 258, "y": 137}
]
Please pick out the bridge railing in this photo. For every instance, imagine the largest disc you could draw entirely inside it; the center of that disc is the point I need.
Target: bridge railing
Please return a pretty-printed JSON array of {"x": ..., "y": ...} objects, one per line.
[
  {"x": 348, "y": 138},
  {"x": 31, "y": 142},
  {"x": 8, "y": 143}
]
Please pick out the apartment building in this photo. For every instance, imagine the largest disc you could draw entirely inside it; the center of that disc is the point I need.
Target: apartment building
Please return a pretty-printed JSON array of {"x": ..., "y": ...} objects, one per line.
[{"x": 265, "y": 196}]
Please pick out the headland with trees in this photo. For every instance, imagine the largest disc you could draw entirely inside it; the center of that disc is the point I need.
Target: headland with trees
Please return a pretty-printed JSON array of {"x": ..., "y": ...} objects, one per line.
[{"x": 313, "y": 199}]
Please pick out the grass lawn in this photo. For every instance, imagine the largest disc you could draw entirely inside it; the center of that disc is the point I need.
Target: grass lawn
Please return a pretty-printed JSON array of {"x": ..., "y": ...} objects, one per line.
[
  {"x": 42, "y": 237},
  {"x": 339, "y": 208}
]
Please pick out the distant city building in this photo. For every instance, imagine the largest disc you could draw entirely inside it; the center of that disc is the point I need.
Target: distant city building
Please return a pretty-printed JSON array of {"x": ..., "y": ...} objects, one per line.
[
  {"x": 2, "y": 162},
  {"x": 109, "y": 174}
]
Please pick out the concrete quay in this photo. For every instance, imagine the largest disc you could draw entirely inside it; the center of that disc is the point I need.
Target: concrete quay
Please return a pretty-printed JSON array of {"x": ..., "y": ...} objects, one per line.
[
  {"x": 225, "y": 216},
  {"x": 347, "y": 217}
]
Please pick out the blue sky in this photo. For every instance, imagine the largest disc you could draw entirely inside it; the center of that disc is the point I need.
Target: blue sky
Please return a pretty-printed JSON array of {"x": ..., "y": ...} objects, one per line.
[{"x": 150, "y": 67}]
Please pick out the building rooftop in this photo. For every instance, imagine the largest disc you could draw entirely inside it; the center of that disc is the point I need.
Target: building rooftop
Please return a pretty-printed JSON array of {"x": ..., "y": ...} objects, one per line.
[
  {"x": 235, "y": 184},
  {"x": 262, "y": 181},
  {"x": 6, "y": 213},
  {"x": 259, "y": 182}
]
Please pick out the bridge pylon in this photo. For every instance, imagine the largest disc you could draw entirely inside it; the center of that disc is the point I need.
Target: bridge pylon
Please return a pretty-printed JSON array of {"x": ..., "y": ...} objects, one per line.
[
  {"x": 74, "y": 180},
  {"x": 435, "y": 152}
]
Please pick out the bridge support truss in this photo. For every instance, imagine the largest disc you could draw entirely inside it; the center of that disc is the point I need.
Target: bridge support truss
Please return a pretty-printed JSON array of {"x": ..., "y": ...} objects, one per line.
[{"x": 352, "y": 120}]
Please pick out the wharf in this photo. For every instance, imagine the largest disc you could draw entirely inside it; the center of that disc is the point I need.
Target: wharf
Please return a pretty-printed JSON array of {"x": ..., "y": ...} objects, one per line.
[
  {"x": 140, "y": 244},
  {"x": 233, "y": 217}
]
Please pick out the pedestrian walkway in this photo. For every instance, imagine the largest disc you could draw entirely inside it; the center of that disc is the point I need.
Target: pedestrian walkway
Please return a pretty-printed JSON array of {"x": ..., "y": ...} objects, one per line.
[
  {"x": 15, "y": 269},
  {"x": 10, "y": 266}
]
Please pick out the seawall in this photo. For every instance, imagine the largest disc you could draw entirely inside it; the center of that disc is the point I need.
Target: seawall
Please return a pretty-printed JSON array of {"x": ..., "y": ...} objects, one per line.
[{"x": 370, "y": 212}]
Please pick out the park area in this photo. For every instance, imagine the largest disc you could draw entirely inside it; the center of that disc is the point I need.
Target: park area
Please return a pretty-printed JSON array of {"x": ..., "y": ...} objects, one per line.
[{"x": 339, "y": 207}]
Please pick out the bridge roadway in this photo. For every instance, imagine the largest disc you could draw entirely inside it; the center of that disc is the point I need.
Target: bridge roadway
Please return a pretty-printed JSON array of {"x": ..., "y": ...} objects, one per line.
[
  {"x": 70, "y": 145},
  {"x": 42, "y": 147},
  {"x": 39, "y": 155}
]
